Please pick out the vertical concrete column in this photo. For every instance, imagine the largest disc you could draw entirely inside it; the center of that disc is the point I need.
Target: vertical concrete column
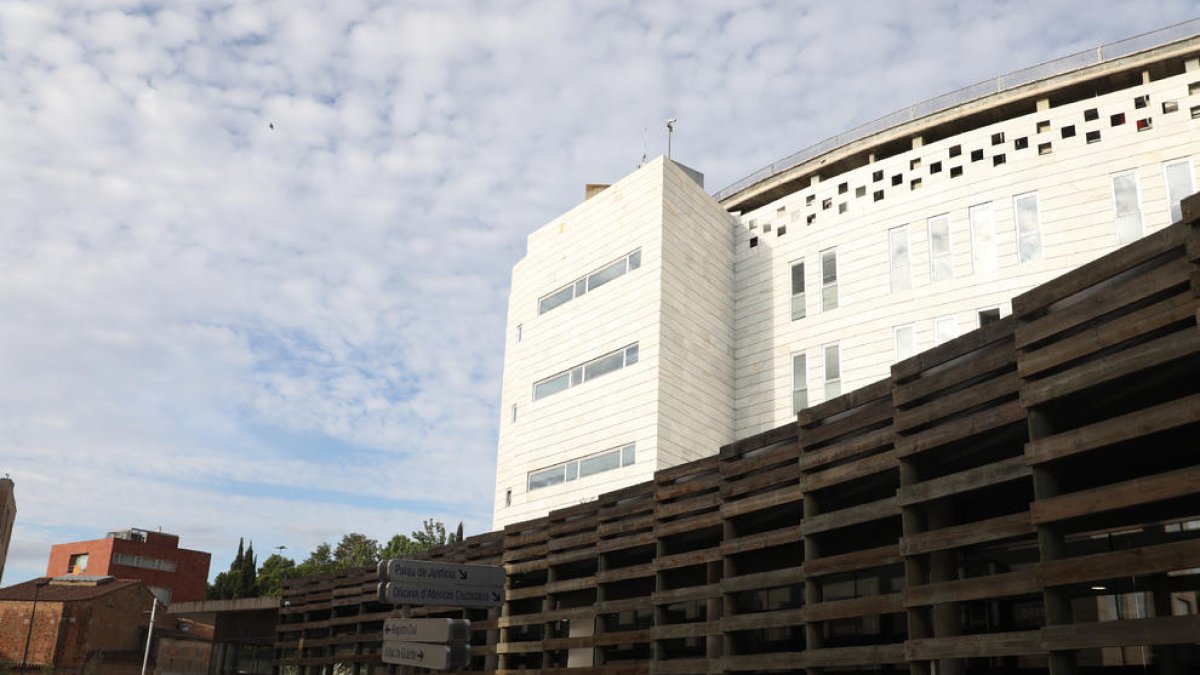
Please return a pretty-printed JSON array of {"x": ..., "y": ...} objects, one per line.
[{"x": 916, "y": 570}]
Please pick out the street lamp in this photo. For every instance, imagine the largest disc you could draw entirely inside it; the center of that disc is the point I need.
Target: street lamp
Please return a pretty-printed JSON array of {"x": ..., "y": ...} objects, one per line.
[
  {"x": 37, "y": 588},
  {"x": 150, "y": 631}
]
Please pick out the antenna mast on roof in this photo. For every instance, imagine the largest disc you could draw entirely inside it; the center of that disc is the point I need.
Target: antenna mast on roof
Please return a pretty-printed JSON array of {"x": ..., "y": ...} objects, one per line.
[{"x": 670, "y": 131}]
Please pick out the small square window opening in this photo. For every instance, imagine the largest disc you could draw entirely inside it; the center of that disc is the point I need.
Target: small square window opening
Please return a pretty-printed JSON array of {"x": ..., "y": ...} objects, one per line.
[
  {"x": 935, "y": 167},
  {"x": 955, "y": 150},
  {"x": 955, "y": 171},
  {"x": 1145, "y": 124},
  {"x": 1045, "y": 148},
  {"x": 1043, "y": 126},
  {"x": 1093, "y": 136},
  {"x": 876, "y": 176},
  {"x": 878, "y": 196},
  {"x": 1091, "y": 114},
  {"x": 998, "y": 138},
  {"x": 753, "y": 242},
  {"x": 1141, "y": 101},
  {"x": 914, "y": 184},
  {"x": 1170, "y": 107},
  {"x": 1068, "y": 131},
  {"x": 1021, "y": 143},
  {"x": 1116, "y": 120},
  {"x": 998, "y": 160},
  {"x": 897, "y": 179},
  {"x": 976, "y": 155}
]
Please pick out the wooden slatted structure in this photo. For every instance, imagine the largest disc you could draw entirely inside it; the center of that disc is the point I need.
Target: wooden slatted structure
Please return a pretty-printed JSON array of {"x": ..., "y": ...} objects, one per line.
[
  {"x": 853, "y": 576},
  {"x": 1109, "y": 357},
  {"x": 762, "y": 591},
  {"x": 1022, "y": 499}
]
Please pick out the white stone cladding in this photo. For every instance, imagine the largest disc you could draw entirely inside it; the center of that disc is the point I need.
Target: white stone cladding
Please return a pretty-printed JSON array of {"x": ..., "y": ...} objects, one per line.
[
  {"x": 1074, "y": 190},
  {"x": 712, "y": 315},
  {"x": 676, "y": 402}
]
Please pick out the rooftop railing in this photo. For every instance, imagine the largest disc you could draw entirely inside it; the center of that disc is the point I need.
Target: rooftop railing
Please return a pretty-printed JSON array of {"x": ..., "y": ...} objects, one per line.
[{"x": 1065, "y": 64}]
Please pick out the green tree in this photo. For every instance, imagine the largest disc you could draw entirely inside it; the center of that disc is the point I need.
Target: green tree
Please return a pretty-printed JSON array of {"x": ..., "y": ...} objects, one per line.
[
  {"x": 239, "y": 581},
  {"x": 248, "y": 579},
  {"x": 356, "y": 550},
  {"x": 458, "y": 536},
  {"x": 274, "y": 571},
  {"x": 399, "y": 546},
  {"x": 320, "y": 561},
  {"x": 433, "y": 534}
]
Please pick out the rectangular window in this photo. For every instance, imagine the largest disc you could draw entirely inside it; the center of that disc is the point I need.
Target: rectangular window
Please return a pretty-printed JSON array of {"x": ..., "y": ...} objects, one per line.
[
  {"x": 593, "y": 281},
  {"x": 798, "y": 302},
  {"x": 586, "y": 372},
  {"x": 945, "y": 328},
  {"x": 547, "y": 477},
  {"x": 905, "y": 340},
  {"x": 941, "y": 261},
  {"x": 508, "y": 497},
  {"x": 833, "y": 372},
  {"x": 514, "y": 412},
  {"x": 1179, "y": 185},
  {"x": 1128, "y": 207},
  {"x": 829, "y": 288},
  {"x": 583, "y": 467},
  {"x": 799, "y": 383},
  {"x": 898, "y": 255},
  {"x": 1029, "y": 233},
  {"x": 77, "y": 564},
  {"x": 983, "y": 238},
  {"x": 520, "y": 331}
]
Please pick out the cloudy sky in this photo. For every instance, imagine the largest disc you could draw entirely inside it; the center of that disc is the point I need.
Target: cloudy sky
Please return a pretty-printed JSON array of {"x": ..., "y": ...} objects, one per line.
[{"x": 225, "y": 329}]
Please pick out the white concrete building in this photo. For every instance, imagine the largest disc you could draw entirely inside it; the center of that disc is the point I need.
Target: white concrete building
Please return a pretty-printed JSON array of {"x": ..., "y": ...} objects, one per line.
[{"x": 812, "y": 277}]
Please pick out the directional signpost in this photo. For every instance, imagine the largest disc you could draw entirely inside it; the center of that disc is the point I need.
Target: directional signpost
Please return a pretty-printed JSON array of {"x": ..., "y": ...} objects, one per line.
[
  {"x": 437, "y": 644},
  {"x": 421, "y": 582},
  {"x": 435, "y": 657}
]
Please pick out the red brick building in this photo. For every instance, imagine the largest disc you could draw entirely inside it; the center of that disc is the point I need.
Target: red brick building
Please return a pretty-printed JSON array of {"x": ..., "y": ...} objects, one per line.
[
  {"x": 77, "y": 622},
  {"x": 153, "y": 557}
]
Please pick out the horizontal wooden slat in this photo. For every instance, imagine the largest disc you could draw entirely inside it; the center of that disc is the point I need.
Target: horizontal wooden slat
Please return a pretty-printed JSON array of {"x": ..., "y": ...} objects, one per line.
[
  {"x": 1121, "y": 364},
  {"x": 975, "y": 646},
  {"x": 1114, "y": 496},
  {"x": 1006, "y": 470},
  {"x": 967, "y": 534},
  {"x": 855, "y": 515},
  {"x": 1125, "y": 427},
  {"x": 1164, "y": 630}
]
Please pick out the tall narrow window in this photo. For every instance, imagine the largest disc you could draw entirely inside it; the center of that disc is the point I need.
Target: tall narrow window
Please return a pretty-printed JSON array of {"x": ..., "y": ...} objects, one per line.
[
  {"x": 829, "y": 288},
  {"x": 514, "y": 412},
  {"x": 1179, "y": 185},
  {"x": 508, "y": 497},
  {"x": 905, "y": 339},
  {"x": 519, "y": 332},
  {"x": 833, "y": 372},
  {"x": 798, "y": 302},
  {"x": 799, "y": 383},
  {"x": 898, "y": 255},
  {"x": 1128, "y": 206},
  {"x": 1029, "y": 232},
  {"x": 983, "y": 238},
  {"x": 941, "y": 262},
  {"x": 945, "y": 328}
]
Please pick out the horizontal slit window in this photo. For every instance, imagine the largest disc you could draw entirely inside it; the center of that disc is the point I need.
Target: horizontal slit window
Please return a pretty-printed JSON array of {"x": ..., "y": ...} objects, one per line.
[
  {"x": 594, "y": 280},
  {"x": 586, "y": 372}
]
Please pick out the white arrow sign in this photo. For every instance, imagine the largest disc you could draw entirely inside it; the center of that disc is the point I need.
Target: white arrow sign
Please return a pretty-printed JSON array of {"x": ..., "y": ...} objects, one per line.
[
  {"x": 421, "y": 593},
  {"x": 427, "y": 630},
  {"x": 434, "y": 657}
]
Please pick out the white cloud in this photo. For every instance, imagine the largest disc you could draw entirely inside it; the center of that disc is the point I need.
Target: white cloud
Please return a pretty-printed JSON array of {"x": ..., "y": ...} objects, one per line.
[{"x": 227, "y": 329}]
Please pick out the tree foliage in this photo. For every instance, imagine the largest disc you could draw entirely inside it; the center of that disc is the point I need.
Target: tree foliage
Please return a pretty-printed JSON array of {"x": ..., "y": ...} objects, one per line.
[
  {"x": 241, "y": 581},
  {"x": 245, "y": 579}
]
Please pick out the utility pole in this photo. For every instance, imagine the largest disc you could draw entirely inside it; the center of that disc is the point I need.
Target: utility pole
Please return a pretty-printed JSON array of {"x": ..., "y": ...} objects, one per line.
[{"x": 37, "y": 587}]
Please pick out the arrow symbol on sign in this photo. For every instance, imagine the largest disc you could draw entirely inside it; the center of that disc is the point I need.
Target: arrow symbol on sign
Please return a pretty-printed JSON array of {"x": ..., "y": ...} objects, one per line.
[
  {"x": 496, "y": 596},
  {"x": 462, "y": 574},
  {"x": 421, "y": 655}
]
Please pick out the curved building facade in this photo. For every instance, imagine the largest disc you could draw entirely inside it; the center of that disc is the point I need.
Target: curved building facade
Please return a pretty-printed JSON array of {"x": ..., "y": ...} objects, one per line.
[{"x": 810, "y": 279}]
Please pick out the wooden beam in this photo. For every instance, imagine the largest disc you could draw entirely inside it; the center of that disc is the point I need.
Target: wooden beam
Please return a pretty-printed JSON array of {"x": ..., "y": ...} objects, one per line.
[
  {"x": 1114, "y": 366},
  {"x": 1144, "y": 422},
  {"x": 1003, "y": 471},
  {"x": 1115, "y": 496}
]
